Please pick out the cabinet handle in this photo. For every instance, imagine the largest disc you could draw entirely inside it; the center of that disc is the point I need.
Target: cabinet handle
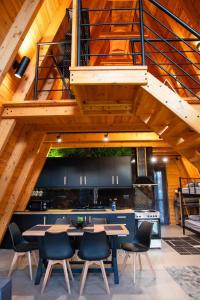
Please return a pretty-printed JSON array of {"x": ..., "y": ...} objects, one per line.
[
  {"x": 81, "y": 180},
  {"x": 121, "y": 217},
  {"x": 113, "y": 180},
  {"x": 85, "y": 179},
  {"x": 117, "y": 179},
  {"x": 65, "y": 180}
]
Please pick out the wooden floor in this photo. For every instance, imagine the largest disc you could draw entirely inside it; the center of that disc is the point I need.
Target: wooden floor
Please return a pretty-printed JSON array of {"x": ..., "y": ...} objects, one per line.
[{"x": 163, "y": 288}]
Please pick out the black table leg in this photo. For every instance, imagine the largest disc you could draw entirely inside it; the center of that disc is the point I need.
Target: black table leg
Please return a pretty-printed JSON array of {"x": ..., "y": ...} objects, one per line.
[
  {"x": 39, "y": 271},
  {"x": 114, "y": 259}
]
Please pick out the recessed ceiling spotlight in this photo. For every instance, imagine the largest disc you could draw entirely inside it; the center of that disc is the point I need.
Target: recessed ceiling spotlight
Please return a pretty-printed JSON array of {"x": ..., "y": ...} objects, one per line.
[
  {"x": 154, "y": 159},
  {"x": 105, "y": 137},
  {"x": 132, "y": 160},
  {"x": 58, "y": 139},
  {"x": 165, "y": 159}
]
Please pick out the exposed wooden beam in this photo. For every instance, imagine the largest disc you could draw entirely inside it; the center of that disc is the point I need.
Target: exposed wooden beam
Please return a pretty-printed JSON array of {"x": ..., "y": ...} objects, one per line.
[
  {"x": 102, "y": 144},
  {"x": 98, "y": 137},
  {"x": 34, "y": 173},
  {"x": 16, "y": 192},
  {"x": 74, "y": 34},
  {"x": 16, "y": 34},
  {"x": 13, "y": 162},
  {"x": 6, "y": 129},
  {"x": 26, "y": 83},
  {"x": 192, "y": 171},
  {"x": 21, "y": 112},
  {"x": 131, "y": 75},
  {"x": 172, "y": 101}
]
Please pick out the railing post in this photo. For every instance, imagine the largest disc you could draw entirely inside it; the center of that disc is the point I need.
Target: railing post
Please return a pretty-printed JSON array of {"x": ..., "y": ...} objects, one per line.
[
  {"x": 141, "y": 31},
  {"x": 74, "y": 47},
  {"x": 35, "y": 97},
  {"x": 79, "y": 34}
]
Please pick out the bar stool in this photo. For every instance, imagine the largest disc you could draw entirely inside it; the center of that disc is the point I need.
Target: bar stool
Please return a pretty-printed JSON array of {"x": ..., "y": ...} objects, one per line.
[
  {"x": 57, "y": 249},
  {"x": 21, "y": 247},
  {"x": 94, "y": 248}
]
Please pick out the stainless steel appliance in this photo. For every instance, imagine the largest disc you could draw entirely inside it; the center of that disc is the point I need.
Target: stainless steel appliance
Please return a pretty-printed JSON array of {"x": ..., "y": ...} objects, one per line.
[{"x": 152, "y": 216}]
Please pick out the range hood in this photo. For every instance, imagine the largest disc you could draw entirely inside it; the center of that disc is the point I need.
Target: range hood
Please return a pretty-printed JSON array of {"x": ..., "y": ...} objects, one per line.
[{"x": 142, "y": 176}]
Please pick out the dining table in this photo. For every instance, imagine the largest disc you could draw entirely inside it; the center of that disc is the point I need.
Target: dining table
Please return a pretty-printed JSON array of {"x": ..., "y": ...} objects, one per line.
[{"x": 113, "y": 231}]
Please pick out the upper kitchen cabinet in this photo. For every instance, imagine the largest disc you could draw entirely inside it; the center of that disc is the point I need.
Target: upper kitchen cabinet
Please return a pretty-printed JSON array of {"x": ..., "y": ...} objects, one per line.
[
  {"x": 86, "y": 172},
  {"x": 54, "y": 174}
]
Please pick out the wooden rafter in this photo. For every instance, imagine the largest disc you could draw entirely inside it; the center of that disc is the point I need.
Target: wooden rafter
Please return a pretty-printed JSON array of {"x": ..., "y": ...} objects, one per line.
[{"x": 15, "y": 35}]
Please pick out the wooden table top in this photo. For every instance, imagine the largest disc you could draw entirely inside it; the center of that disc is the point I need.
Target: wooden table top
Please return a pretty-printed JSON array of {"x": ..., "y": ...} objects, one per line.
[{"x": 110, "y": 229}]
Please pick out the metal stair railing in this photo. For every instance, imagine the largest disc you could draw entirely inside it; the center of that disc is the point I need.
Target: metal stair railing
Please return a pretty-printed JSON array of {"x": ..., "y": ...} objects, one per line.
[{"x": 176, "y": 65}]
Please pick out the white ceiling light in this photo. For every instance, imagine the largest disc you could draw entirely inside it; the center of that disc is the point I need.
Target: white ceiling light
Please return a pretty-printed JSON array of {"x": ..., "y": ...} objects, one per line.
[
  {"x": 105, "y": 137},
  {"x": 165, "y": 159},
  {"x": 59, "y": 139},
  {"x": 154, "y": 159}
]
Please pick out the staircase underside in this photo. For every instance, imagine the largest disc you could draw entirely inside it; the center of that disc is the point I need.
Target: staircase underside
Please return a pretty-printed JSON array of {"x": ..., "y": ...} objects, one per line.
[{"x": 117, "y": 99}]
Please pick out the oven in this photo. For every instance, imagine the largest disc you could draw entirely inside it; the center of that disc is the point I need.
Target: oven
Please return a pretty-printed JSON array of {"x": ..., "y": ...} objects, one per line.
[{"x": 154, "y": 218}]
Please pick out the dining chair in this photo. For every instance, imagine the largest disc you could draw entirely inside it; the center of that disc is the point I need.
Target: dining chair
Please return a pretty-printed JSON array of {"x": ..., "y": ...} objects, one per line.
[
  {"x": 94, "y": 248},
  {"x": 57, "y": 249},
  {"x": 21, "y": 247},
  {"x": 140, "y": 245}
]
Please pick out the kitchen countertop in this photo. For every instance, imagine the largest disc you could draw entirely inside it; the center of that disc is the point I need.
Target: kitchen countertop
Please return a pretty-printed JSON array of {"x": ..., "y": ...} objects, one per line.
[{"x": 71, "y": 211}]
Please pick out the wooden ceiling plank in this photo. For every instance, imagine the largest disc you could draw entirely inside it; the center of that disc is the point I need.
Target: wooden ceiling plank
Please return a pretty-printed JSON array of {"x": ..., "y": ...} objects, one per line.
[
  {"x": 6, "y": 129},
  {"x": 16, "y": 34},
  {"x": 27, "y": 81}
]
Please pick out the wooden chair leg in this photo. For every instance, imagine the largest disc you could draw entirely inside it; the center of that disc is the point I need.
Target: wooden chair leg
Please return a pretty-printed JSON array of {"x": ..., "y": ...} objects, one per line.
[
  {"x": 104, "y": 276},
  {"x": 150, "y": 264},
  {"x": 70, "y": 270},
  {"x": 30, "y": 264},
  {"x": 35, "y": 258},
  {"x": 15, "y": 257},
  {"x": 66, "y": 276},
  {"x": 140, "y": 261},
  {"x": 47, "y": 275},
  {"x": 83, "y": 276},
  {"x": 124, "y": 262},
  {"x": 134, "y": 266}
]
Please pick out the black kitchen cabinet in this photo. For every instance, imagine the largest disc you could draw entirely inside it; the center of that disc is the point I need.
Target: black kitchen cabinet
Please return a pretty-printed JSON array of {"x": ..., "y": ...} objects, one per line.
[
  {"x": 54, "y": 174},
  {"x": 86, "y": 172}
]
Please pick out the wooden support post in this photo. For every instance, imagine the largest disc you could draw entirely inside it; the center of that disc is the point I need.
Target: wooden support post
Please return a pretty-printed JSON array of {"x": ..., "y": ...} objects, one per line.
[
  {"x": 74, "y": 48},
  {"x": 16, "y": 34},
  {"x": 13, "y": 162},
  {"x": 6, "y": 129},
  {"x": 32, "y": 149},
  {"x": 32, "y": 178}
]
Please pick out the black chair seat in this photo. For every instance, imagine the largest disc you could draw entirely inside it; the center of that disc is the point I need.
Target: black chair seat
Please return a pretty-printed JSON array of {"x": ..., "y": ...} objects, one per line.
[
  {"x": 25, "y": 247},
  {"x": 56, "y": 246},
  {"x": 134, "y": 247},
  {"x": 94, "y": 246}
]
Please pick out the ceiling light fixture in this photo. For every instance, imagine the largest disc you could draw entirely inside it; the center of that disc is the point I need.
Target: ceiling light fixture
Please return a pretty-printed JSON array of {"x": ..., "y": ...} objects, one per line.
[
  {"x": 105, "y": 137},
  {"x": 22, "y": 66},
  {"x": 165, "y": 159},
  {"x": 58, "y": 139},
  {"x": 154, "y": 159}
]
